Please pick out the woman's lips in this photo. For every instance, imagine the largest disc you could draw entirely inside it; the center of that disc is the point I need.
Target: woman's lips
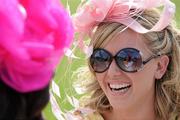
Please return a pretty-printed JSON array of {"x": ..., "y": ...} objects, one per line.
[{"x": 119, "y": 88}]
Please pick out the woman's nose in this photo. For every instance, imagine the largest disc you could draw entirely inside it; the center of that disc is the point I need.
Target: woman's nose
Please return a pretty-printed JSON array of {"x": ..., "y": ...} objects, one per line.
[{"x": 114, "y": 69}]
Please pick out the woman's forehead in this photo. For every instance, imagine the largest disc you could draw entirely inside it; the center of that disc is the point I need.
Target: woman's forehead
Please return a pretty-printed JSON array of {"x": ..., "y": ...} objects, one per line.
[{"x": 127, "y": 39}]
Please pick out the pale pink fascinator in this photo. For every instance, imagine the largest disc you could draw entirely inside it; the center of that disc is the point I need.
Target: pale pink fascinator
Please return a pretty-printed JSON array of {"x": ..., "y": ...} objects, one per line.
[
  {"x": 93, "y": 12},
  {"x": 33, "y": 36}
]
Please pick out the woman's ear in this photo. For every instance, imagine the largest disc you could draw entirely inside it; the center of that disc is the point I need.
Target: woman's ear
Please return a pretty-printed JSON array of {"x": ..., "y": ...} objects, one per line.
[{"x": 162, "y": 64}]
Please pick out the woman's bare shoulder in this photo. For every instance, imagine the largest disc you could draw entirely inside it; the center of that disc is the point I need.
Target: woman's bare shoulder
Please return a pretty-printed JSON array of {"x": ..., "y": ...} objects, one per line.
[{"x": 87, "y": 114}]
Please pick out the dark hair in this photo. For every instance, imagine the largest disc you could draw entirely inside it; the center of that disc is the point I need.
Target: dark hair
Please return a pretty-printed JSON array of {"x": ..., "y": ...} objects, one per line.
[{"x": 22, "y": 106}]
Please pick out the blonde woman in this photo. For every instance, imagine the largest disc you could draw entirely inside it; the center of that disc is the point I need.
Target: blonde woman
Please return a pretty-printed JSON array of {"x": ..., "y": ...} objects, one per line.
[{"x": 134, "y": 67}]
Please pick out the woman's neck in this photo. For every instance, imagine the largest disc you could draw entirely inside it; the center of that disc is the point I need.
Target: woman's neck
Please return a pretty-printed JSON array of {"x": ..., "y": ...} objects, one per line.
[
  {"x": 140, "y": 112},
  {"x": 138, "y": 115}
]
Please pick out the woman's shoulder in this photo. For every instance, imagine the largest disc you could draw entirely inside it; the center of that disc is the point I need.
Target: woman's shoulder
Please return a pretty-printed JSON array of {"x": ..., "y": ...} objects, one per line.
[{"x": 87, "y": 114}]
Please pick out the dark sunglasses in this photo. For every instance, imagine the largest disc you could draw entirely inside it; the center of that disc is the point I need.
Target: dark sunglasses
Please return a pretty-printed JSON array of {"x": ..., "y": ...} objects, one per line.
[{"x": 127, "y": 59}]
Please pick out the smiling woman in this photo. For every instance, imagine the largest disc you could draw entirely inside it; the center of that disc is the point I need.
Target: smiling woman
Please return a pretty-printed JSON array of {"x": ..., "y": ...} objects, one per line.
[{"x": 134, "y": 66}]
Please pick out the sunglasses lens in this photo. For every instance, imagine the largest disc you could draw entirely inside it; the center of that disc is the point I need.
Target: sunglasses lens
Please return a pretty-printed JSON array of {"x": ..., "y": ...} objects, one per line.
[
  {"x": 100, "y": 60},
  {"x": 129, "y": 60}
]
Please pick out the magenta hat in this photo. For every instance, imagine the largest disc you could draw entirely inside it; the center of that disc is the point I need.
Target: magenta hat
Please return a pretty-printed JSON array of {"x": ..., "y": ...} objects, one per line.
[{"x": 33, "y": 36}]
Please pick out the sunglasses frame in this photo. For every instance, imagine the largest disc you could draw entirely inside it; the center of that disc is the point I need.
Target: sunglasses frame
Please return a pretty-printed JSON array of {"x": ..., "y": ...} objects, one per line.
[{"x": 115, "y": 58}]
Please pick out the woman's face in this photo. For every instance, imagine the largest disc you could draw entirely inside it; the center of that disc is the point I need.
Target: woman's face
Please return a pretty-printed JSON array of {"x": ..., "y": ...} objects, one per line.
[{"x": 128, "y": 90}]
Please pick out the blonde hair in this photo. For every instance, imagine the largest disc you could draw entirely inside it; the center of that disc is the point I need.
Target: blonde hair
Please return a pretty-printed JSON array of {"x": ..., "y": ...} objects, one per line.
[{"x": 167, "y": 89}]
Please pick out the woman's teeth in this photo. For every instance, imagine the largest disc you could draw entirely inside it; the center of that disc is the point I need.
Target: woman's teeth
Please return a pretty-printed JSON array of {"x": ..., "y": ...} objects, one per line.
[{"x": 119, "y": 87}]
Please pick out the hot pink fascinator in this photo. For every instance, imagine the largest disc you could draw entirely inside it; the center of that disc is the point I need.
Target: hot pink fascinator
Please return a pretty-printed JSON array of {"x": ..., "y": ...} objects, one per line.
[
  {"x": 93, "y": 12},
  {"x": 33, "y": 36}
]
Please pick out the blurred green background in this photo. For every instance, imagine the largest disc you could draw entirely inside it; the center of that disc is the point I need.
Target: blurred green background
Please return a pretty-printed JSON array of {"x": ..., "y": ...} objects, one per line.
[{"x": 65, "y": 70}]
